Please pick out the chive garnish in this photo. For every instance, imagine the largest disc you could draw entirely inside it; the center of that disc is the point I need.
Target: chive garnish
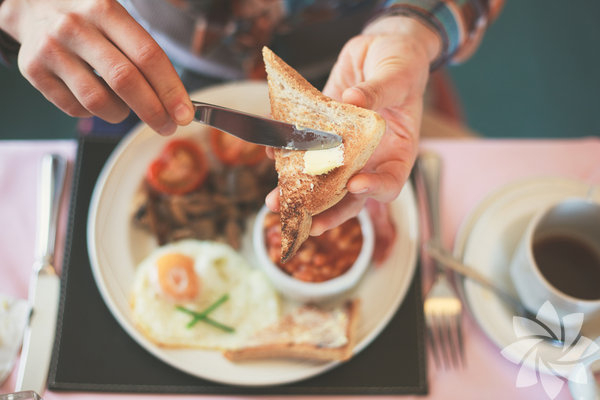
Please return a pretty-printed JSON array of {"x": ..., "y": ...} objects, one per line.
[{"x": 203, "y": 315}]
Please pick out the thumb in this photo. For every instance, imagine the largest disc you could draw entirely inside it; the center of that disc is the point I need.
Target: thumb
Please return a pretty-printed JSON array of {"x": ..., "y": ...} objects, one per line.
[{"x": 383, "y": 89}]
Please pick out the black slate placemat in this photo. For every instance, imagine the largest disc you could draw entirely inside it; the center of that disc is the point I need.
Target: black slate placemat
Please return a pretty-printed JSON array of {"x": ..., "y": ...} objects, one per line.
[{"x": 93, "y": 353}]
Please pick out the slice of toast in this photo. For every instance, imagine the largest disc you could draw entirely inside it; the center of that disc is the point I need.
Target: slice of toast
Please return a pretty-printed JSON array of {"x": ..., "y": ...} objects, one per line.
[
  {"x": 294, "y": 100},
  {"x": 306, "y": 333}
]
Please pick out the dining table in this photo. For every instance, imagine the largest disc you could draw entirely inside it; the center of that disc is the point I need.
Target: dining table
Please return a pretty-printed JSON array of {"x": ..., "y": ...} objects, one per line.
[{"x": 472, "y": 169}]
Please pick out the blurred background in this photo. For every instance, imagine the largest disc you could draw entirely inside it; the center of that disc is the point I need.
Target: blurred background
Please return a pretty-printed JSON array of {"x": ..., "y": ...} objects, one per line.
[{"x": 536, "y": 74}]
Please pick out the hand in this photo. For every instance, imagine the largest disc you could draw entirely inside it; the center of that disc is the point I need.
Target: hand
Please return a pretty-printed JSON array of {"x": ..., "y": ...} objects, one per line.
[
  {"x": 90, "y": 57},
  {"x": 385, "y": 69}
]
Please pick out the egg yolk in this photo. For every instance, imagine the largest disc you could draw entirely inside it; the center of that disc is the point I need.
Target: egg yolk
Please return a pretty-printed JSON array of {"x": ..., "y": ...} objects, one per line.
[{"x": 177, "y": 277}]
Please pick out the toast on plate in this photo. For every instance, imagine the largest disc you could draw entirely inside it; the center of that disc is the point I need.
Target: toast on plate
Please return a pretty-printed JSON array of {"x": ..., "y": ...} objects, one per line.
[
  {"x": 304, "y": 192},
  {"x": 306, "y": 333}
]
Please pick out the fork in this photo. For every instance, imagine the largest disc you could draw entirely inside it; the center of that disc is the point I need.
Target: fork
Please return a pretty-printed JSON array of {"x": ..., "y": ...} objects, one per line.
[{"x": 443, "y": 309}]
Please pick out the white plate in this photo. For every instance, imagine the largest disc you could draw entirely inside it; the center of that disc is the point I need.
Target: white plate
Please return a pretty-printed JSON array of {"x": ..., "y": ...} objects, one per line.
[
  {"x": 486, "y": 241},
  {"x": 115, "y": 248}
]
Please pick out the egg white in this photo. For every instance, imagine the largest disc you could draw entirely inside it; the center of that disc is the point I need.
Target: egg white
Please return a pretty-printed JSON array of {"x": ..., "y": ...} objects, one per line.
[{"x": 253, "y": 303}]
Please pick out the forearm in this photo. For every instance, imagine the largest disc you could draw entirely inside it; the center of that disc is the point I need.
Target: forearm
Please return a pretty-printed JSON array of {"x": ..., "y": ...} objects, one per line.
[{"x": 460, "y": 25}]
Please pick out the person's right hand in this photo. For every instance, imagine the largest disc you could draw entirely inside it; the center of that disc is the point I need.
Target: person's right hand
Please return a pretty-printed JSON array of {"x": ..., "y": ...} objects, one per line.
[{"x": 90, "y": 57}]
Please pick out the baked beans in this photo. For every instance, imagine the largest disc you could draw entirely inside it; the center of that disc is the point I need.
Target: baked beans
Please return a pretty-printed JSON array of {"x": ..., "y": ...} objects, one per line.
[{"x": 319, "y": 258}]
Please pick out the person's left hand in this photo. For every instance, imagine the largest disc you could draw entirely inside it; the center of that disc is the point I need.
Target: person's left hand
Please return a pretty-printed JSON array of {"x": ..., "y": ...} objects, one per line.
[{"x": 385, "y": 69}]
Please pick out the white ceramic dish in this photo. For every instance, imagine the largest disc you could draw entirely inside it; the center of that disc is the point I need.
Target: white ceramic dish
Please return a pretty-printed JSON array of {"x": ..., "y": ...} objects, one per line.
[
  {"x": 486, "y": 241},
  {"x": 307, "y": 291},
  {"x": 116, "y": 247}
]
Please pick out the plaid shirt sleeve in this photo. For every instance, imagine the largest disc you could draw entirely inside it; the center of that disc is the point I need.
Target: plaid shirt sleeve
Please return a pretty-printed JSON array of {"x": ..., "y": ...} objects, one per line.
[{"x": 459, "y": 23}]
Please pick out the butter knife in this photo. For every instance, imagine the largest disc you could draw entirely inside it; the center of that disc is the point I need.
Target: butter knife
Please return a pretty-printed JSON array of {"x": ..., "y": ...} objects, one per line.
[
  {"x": 44, "y": 285},
  {"x": 27, "y": 395},
  {"x": 264, "y": 131}
]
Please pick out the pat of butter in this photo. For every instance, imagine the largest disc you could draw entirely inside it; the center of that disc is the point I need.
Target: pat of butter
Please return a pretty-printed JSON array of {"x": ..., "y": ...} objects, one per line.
[{"x": 318, "y": 162}]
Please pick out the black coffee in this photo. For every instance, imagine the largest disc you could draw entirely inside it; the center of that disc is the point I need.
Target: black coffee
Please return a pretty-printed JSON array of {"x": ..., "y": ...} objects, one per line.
[{"x": 569, "y": 264}]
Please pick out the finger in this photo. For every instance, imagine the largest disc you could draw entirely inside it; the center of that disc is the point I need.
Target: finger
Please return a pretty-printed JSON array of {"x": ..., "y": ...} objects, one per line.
[
  {"x": 384, "y": 228},
  {"x": 150, "y": 59},
  {"x": 347, "y": 208},
  {"x": 55, "y": 91},
  {"x": 272, "y": 200},
  {"x": 270, "y": 152},
  {"x": 383, "y": 185},
  {"x": 118, "y": 72},
  {"x": 376, "y": 93},
  {"x": 347, "y": 70},
  {"x": 91, "y": 92},
  {"x": 332, "y": 87}
]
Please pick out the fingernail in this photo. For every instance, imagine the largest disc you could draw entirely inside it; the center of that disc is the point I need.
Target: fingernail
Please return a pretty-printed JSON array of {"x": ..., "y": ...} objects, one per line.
[
  {"x": 182, "y": 114},
  {"x": 168, "y": 128},
  {"x": 359, "y": 191},
  {"x": 271, "y": 203},
  {"x": 316, "y": 231}
]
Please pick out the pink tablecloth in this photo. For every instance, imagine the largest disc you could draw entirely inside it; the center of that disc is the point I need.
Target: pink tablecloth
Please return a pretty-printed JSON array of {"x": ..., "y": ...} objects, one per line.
[{"x": 473, "y": 169}]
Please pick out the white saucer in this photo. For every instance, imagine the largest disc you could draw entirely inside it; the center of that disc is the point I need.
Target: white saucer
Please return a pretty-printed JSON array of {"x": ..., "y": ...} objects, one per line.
[{"x": 486, "y": 241}]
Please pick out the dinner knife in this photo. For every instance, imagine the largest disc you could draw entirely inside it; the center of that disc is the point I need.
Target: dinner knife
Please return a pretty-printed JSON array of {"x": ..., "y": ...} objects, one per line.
[
  {"x": 263, "y": 131},
  {"x": 44, "y": 285}
]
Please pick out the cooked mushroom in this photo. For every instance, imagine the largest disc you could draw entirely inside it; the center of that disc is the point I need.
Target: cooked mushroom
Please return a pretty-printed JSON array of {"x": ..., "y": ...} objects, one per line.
[{"x": 216, "y": 211}]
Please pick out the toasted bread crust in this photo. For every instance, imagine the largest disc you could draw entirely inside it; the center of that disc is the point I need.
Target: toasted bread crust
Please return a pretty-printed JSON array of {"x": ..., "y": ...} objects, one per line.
[
  {"x": 307, "y": 351},
  {"x": 294, "y": 100}
]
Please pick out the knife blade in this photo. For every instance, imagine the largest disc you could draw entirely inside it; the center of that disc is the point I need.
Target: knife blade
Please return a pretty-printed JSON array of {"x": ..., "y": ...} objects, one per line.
[
  {"x": 264, "y": 131},
  {"x": 44, "y": 286}
]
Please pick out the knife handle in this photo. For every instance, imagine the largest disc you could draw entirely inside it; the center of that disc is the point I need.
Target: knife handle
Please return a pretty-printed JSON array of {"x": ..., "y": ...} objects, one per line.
[
  {"x": 36, "y": 353},
  {"x": 52, "y": 179},
  {"x": 429, "y": 165}
]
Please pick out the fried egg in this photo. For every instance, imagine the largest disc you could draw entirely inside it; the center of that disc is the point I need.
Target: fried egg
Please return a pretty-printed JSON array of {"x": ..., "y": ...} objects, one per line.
[{"x": 189, "y": 276}]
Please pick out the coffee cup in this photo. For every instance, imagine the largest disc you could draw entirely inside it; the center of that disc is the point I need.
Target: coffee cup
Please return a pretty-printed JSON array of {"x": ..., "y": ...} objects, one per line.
[
  {"x": 558, "y": 260},
  {"x": 582, "y": 384}
]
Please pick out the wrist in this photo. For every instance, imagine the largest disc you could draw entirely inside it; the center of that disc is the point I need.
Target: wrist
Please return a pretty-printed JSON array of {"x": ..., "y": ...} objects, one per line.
[{"x": 428, "y": 39}]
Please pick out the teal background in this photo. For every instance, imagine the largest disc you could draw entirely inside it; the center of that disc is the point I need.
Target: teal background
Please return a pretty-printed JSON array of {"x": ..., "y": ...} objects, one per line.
[{"x": 535, "y": 75}]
